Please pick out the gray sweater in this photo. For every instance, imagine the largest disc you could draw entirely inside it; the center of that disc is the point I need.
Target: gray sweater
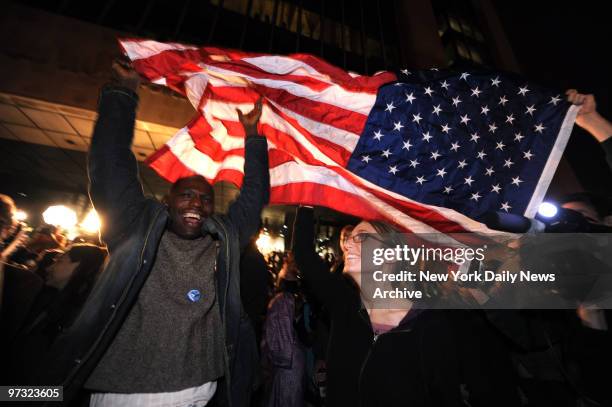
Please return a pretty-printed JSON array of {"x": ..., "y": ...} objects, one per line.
[{"x": 169, "y": 341}]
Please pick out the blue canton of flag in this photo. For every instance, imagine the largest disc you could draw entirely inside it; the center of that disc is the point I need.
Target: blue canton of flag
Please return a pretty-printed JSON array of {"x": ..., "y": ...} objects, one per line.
[{"x": 471, "y": 142}]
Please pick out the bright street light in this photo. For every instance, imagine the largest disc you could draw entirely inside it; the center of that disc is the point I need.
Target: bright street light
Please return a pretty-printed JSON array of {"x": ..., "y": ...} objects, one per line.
[{"x": 60, "y": 215}]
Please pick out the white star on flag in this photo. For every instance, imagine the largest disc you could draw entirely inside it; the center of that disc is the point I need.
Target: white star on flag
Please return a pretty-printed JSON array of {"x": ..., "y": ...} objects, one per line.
[
  {"x": 516, "y": 181},
  {"x": 554, "y": 100},
  {"x": 530, "y": 110}
]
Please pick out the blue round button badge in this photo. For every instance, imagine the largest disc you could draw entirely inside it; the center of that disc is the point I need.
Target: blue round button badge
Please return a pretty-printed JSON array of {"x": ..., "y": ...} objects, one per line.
[{"x": 194, "y": 295}]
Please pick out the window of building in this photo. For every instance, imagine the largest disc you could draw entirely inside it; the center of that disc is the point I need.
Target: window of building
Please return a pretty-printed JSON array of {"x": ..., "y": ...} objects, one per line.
[{"x": 459, "y": 30}]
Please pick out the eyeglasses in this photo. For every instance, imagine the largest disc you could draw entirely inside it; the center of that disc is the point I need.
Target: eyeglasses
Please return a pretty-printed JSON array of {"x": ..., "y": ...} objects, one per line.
[{"x": 362, "y": 237}]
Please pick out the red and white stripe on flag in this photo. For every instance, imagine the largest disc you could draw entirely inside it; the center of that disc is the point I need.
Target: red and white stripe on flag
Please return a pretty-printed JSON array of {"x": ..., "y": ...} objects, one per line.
[{"x": 313, "y": 116}]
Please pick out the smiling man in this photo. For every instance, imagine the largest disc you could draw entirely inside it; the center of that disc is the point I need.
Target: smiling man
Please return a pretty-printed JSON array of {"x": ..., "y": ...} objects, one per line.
[
  {"x": 164, "y": 325},
  {"x": 191, "y": 200}
]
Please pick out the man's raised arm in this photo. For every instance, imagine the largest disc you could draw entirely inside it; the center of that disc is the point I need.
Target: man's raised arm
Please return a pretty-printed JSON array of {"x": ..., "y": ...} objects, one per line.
[
  {"x": 245, "y": 212},
  {"x": 114, "y": 187}
]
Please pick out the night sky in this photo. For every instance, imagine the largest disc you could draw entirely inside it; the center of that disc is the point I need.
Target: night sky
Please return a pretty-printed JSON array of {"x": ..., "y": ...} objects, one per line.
[{"x": 567, "y": 46}]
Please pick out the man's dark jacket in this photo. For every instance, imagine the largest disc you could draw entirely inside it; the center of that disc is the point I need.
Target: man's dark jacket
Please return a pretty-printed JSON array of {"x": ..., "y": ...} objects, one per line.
[{"x": 132, "y": 228}]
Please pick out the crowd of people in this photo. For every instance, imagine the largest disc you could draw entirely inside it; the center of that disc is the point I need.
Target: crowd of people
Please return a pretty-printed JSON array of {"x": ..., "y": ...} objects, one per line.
[
  {"x": 45, "y": 280},
  {"x": 177, "y": 307}
]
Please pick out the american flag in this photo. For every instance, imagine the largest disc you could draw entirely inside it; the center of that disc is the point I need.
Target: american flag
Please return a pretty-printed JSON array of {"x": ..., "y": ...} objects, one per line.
[{"x": 429, "y": 151}]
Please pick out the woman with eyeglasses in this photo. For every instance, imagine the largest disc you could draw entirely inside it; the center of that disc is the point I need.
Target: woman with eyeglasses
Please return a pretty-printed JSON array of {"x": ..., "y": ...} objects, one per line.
[{"x": 406, "y": 356}]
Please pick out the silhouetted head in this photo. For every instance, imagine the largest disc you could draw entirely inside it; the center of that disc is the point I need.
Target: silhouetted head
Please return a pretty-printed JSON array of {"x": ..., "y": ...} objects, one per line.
[
  {"x": 78, "y": 266},
  {"x": 7, "y": 213},
  {"x": 592, "y": 206}
]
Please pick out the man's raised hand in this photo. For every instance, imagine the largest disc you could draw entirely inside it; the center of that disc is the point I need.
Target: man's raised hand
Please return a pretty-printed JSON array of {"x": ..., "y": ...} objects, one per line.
[
  {"x": 123, "y": 74},
  {"x": 249, "y": 120}
]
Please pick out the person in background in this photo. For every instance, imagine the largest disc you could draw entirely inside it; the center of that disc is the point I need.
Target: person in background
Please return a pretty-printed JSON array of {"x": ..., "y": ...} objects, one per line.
[
  {"x": 590, "y": 120},
  {"x": 586, "y": 346},
  {"x": 594, "y": 207},
  {"x": 69, "y": 280},
  {"x": 283, "y": 353},
  {"x": 7, "y": 219},
  {"x": 44, "y": 238},
  {"x": 16, "y": 283},
  {"x": 68, "y": 283},
  {"x": 254, "y": 289},
  {"x": 12, "y": 237},
  {"x": 42, "y": 309},
  {"x": 45, "y": 260}
]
